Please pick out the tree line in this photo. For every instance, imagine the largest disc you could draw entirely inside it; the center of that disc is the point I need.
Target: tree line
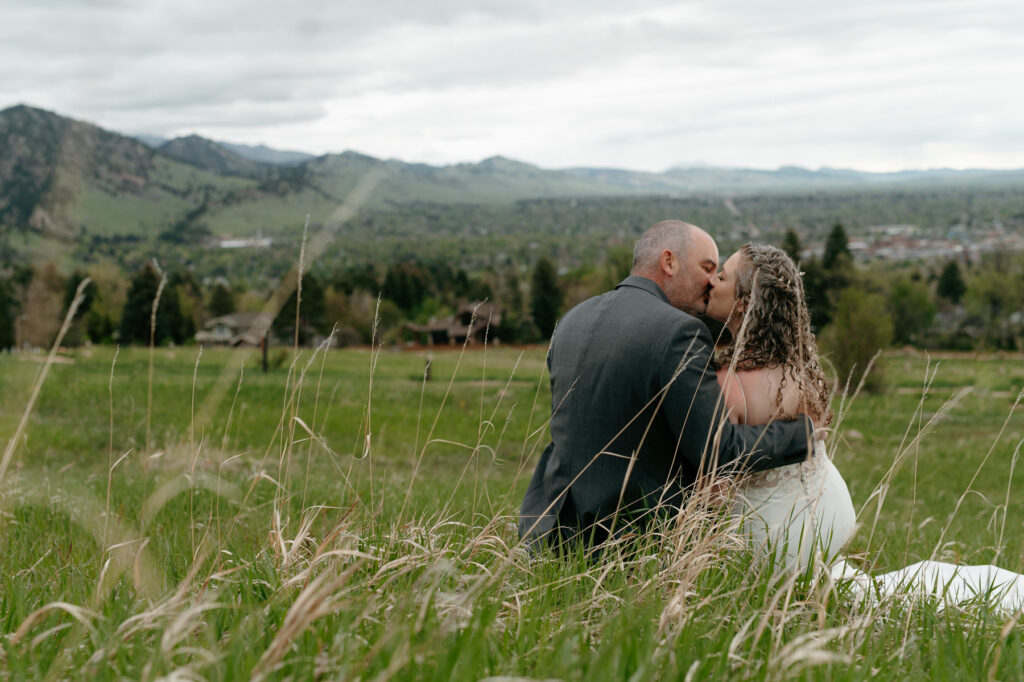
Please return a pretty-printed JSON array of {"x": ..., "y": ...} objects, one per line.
[
  {"x": 353, "y": 302},
  {"x": 854, "y": 308}
]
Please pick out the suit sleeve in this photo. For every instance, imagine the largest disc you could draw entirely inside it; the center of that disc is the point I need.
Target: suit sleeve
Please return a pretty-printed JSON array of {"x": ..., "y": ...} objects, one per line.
[{"x": 694, "y": 405}]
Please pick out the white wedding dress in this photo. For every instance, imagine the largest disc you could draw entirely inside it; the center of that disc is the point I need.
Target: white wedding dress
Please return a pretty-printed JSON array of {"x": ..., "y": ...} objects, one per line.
[{"x": 794, "y": 512}]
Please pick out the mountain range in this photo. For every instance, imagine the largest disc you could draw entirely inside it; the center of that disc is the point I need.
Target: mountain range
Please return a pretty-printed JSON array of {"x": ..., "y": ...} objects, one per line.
[
  {"x": 261, "y": 153},
  {"x": 61, "y": 178}
]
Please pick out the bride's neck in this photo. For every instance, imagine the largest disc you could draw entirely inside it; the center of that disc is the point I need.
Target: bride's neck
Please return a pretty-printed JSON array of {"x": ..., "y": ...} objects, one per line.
[{"x": 734, "y": 323}]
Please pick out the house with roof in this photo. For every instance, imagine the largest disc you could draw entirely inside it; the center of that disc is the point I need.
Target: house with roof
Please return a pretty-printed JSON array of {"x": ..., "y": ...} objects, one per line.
[
  {"x": 473, "y": 321},
  {"x": 235, "y": 329}
]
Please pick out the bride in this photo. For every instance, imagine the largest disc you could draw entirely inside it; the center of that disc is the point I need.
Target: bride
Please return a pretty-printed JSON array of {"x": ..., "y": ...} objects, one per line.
[{"x": 770, "y": 370}]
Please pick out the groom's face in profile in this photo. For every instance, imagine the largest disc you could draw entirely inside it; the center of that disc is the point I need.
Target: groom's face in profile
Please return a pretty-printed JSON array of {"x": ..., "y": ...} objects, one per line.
[{"x": 688, "y": 288}]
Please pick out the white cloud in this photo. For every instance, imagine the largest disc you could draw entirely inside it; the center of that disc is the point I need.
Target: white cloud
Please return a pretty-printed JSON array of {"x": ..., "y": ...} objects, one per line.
[{"x": 874, "y": 85}]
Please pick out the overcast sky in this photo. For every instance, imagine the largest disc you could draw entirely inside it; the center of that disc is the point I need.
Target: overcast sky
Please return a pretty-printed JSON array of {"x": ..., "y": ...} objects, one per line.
[{"x": 641, "y": 84}]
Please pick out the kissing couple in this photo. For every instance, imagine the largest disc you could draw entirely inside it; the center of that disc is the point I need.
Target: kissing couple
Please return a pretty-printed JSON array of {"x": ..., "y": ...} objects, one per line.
[{"x": 644, "y": 409}]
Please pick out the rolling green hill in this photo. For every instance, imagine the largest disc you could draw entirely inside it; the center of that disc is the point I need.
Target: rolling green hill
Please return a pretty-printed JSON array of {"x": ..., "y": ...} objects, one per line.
[
  {"x": 208, "y": 155},
  {"x": 75, "y": 190},
  {"x": 62, "y": 178}
]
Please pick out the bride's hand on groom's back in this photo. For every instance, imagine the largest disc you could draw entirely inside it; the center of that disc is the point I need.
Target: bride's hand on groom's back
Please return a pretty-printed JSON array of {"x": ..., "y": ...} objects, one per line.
[
  {"x": 820, "y": 433},
  {"x": 819, "y": 424}
]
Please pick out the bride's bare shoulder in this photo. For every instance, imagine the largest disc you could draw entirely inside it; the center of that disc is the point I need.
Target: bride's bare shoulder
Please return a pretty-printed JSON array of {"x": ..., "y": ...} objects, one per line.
[
  {"x": 732, "y": 396},
  {"x": 758, "y": 378},
  {"x": 742, "y": 393},
  {"x": 759, "y": 391}
]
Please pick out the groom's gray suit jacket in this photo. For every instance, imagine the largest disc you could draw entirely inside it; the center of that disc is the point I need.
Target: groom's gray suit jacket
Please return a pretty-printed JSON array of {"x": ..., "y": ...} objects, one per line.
[{"x": 636, "y": 416}]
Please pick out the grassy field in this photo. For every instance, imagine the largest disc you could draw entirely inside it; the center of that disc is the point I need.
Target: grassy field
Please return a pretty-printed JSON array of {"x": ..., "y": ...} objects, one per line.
[{"x": 339, "y": 517}]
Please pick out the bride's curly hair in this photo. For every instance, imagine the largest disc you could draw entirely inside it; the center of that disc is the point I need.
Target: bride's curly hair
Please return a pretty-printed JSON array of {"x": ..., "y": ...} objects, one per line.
[{"x": 776, "y": 329}]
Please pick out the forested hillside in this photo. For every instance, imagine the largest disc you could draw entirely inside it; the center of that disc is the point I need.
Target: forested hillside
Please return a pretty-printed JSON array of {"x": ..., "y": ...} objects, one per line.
[
  {"x": 76, "y": 200},
  {"x": 70, "y": 188}
]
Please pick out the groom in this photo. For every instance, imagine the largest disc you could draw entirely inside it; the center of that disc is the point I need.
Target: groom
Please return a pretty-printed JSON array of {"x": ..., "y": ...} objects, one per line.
[{"x": 636, "y": 411}]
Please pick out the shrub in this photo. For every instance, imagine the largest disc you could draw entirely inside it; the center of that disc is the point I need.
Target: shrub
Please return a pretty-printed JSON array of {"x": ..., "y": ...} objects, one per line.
[
  {"x": 860, "y": 328},
  {"x": 545, "y": 297}
]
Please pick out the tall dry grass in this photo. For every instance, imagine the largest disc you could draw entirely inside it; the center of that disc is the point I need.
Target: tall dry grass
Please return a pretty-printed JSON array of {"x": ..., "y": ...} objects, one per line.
[
  {"x": 452, "y": 593},
  {"x": 361, "y": 591}
]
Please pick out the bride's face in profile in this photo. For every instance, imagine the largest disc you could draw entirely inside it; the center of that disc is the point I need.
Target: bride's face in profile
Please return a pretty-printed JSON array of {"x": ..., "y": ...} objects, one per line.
[{"x": 722, "y": 298}]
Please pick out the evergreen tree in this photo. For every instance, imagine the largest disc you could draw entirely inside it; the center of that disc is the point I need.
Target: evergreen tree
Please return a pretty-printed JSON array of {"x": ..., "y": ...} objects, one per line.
[
  {"x": 178, "y": 326},
  {"x": 826, "y": 279},
  {"x": 514, "y": 304},
  {"x": 951, "y": 283},
  {"x": 104, "y": 317},
  {"x": 460, "y": 285},
  {"x": 98, "y": 326},
  {"x": 515, "y": 324},
  {"x": 72, "y": 288},
  {"x": 222, "y": 301},
  {"x": 791, "y": 245},
  {"x": 836, "y": 245},
  {"x": 406, "y": 285},
  {"x": 545, "y": 297},
  {"x": 312, "y": 313},
  {"x": 6, "y": 316},
  {"x": 80, "y": 325},
  {"x": 138, "y": 309},
  {"x": 479, "y": 290},
  {"x": 816, "y": 290},
  {"x": 357, "y": 277}
]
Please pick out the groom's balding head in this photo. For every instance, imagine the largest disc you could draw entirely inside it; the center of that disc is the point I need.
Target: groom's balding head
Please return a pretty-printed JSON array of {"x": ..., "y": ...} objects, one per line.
[
  {"x": 680, "y": 258},
  {"x": 668, "y": 234}
]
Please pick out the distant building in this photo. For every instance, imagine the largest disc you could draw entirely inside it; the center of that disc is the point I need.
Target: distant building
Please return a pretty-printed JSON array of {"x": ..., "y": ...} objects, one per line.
[
  {"x": 476, "y": 321},
  {"x": 251, "y": 242},
  {"x": 236, "y": 329},
  {"x": 909, "y": 243}
]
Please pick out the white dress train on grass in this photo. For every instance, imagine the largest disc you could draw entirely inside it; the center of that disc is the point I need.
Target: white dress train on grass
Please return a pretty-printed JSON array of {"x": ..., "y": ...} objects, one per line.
[
  {"x": 793, "y": 512},
  {"x": 998, "y": 588}
]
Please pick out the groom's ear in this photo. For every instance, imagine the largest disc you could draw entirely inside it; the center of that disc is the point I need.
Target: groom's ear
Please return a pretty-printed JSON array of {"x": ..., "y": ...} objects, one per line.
[{"x": 668, "y": 262}]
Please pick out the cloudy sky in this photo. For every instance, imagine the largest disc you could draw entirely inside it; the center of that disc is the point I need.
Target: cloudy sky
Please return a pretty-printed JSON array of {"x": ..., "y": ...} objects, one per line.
[{"x": 642, "y": 84}]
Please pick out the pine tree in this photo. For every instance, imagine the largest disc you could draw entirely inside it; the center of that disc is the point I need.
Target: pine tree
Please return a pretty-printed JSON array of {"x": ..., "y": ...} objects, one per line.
[
  {"x": 312, "y": 312},
  {"x": 817, "y": 293},
  {"x": 836, "y": 246},
  {"x": 951, "y": 283},
  {"x": 79, "y": 329},
  {"x": 222, "y": 301},
  {"x": 6, "y": 316},
  {"x": 185, "y": 308},
  {"x": 178, "y": 327},
  {"x": 406, "y": 285},
  {"x": 72, "y": 288},
  {"x": 514, "y": 304},
  {"x": 791, "y": 245},
  {"x": 545, "y": 297},
  {"x": 138, "y": 310}
]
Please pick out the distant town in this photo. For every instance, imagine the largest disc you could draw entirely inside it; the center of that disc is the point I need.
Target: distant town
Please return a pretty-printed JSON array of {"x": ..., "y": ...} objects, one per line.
[
  {"x": 911, "y": 243},
  {"x": 882, "y": 242}
]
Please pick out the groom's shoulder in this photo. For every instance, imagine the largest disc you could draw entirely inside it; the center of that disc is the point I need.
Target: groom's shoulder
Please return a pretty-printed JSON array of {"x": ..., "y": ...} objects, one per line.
[{"x": 635, "y": 298}]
